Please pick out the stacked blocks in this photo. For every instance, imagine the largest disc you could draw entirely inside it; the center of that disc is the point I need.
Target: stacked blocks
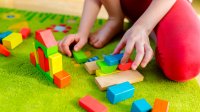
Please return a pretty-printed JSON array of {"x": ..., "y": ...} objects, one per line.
[
  {"x": 160, "y": 106},
  {"x": 47, "y": 59},
  {"x": 25, "y": 32},
  {"x": 90, "y": 104},
  {"x": 12, "y": 40},
  {"x": 80, "y": 56},
  {"x": 4, "y": 34},
  {"x": 120, "y": 92},
  {"x": 106, "y": 68},
  {"x": 141, "y": 106}
]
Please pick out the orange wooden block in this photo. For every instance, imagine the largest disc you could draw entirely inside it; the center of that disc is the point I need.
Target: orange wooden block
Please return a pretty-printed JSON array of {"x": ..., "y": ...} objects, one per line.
[
  {"x": 43, "y": 61},
  {"x": 61, "y": 79},
  {"x": 32, "y": 58},
  {"x": 160, "y": 106},
  {"x": 4, "y": 51}
]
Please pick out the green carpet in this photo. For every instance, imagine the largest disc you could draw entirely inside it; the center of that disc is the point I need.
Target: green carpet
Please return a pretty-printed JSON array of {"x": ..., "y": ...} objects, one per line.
[{"x": 24, "y": 89}]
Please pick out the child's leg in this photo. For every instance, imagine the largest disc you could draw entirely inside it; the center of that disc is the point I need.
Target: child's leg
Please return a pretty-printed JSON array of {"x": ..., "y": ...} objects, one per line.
[
  {"x": 113, "y": 26},
  {"x": 178, "y": 42}
]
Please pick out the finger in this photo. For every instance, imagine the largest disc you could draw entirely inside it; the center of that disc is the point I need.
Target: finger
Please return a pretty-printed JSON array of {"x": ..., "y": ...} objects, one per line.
[
  {"x": 148, "y": 55},
  {"x": 119, "y": 47},
  {"x": 65, "y": 45},
  {"x": 128, "y": 51},
  {"x": 60, "y": 46},
  {"x": 79, "y": 45},
  {"x": 139, "y": 55}
]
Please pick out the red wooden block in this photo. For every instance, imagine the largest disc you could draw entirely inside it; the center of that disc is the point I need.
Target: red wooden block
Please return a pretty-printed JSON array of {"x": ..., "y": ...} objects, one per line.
[
  {"x": 4, "y": 51},
  {"x": 25, "y": 32},
  {"x": 125, "y": 66},
  {"x": 43, "y": 61},
  {"x": 160, "y": 106},
  {"x": 32, "y": 58},
  {"x": 61, "y": 79},
  {"x": 90, "y": 104}
]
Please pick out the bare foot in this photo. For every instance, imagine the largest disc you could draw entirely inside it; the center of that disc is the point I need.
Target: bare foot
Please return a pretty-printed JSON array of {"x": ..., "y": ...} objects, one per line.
[{"x": 106, "y": 33}]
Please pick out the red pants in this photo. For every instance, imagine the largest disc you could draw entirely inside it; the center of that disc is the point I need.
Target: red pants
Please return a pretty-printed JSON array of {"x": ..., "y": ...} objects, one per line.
[{"x": 178, "y": 38}]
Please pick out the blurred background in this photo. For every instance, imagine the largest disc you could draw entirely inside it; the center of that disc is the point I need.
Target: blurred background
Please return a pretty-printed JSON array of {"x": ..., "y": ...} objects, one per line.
[{"x": 72, "y": 7}]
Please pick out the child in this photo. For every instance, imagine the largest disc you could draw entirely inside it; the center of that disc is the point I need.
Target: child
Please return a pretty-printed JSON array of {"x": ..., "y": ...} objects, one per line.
[{"x": 175, "y": 23}]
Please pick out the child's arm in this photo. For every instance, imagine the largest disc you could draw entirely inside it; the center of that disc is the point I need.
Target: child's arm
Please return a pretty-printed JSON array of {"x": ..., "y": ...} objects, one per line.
[
  {"x": 89, "y": 15},
  {"x": 137, "y": 36}
]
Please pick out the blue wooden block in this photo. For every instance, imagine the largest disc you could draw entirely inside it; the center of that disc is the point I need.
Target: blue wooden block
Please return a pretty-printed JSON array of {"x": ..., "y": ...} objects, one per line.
[
  {"x": 141, "y": 105},
  {"x": 93, "y": 59},
  {"x": 113, "y": 59},
  {"x": 120, "y": 92},
  {"x": 4, "y": 34}
]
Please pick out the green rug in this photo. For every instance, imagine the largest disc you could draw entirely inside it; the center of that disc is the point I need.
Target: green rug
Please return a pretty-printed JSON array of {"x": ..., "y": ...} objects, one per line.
[{"x": 24, "y": 89}]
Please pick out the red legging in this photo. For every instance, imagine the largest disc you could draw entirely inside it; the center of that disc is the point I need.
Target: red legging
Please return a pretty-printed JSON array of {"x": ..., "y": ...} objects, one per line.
[{"x": 178, "y": 38}]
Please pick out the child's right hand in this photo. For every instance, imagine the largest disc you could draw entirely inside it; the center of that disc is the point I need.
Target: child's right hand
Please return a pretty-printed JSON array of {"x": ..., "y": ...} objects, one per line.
[{"x": 64, "y": 44}]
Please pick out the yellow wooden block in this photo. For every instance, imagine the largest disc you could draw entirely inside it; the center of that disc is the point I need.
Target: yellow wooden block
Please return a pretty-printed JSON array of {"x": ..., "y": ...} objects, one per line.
[
  {"x": 12, "y": 40},
  {"x": 55, "y": 63},
  {"x": 99, "y": 73}
]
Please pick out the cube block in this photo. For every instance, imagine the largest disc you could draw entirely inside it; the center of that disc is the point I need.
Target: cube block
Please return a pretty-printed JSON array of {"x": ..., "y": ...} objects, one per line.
[
  {"x": 91, "y": 67},
  {"x": 61, "y": 79},
  {"x": 43, "y": 61},
  {"x": 120, "y": 92},
  {"x": 55, "y": 63},
  {"x": 106, "y": 68},
  {"x": 25, "y": 32},
  {"x": 32, "y": 58},
  {"x": 4, "y": 34},
  {"x": 4, "y": 51},
  {"x": 80, "y": 56},
  {"x": 113, "y": 59},
  {"x": 141, "y": 105},
  {"x": 160, "y": 106},
  {"x": 90, "y": 104},
  {"x": 125, "y": 66},
  {"x": 12, "y": 40}
]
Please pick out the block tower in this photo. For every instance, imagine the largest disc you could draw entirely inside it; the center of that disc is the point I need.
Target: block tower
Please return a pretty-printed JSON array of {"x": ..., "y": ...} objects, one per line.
[{"x": 47, "y": 58}]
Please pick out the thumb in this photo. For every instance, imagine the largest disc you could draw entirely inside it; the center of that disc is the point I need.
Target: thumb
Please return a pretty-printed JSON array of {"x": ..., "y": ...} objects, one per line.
[{"x": 79, "y": 45}]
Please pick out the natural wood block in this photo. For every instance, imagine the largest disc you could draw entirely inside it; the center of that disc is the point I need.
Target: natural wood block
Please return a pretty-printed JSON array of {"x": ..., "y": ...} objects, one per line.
[
  {"x": 131, "y": 76},
  {"x": 91, "y": 67}
]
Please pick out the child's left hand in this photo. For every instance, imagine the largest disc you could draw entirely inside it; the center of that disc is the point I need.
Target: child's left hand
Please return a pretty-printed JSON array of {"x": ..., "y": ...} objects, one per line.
[{"x": 136, "y": 37}]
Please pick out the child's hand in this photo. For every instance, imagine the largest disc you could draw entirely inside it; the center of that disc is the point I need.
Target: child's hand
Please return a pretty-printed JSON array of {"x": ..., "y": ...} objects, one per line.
[
  {"x": 136, "y": 38},
  {"x": 64, "y": 44}
]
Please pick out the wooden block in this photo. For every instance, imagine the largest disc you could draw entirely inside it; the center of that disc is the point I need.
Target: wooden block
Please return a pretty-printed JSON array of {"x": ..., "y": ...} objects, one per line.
[
  {"x": 113, "y": 59},
  {"x": 12, "y": 40},
  {"x": 106, "y": 68},
  {"x": 4, "y": 51},
  {"x": 91, "y": 67},
  {"x": 80, "y": 56},
  {"x": 160, "y": 106},
  {"x": 90, "y": 104},
  {"x": 141, "y": 105},
  {"x": 4, "y": 34},
  {"x": 120, "y": 92},
  {"x": 25, "y": 32},
  {"x": 126, "y": 66},
  {"x": 131, "y": 76},
  {"x": 32, "y": 58},
  {"x": 55, "y": 63},
  {"x": 61, "y": 79},
  {"x": 100, "y": 73},
  {"x": 43, "y": 61},
  {"x": 46, "y": 38}
]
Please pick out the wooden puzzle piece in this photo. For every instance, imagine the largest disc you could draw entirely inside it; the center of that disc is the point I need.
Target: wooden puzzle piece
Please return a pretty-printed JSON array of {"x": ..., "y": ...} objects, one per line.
[
  {"x": 32, "y": 58},
  {"x": 79, "y": 56},
  {"x": 91, "y": 67},
  {"x": 12, "y": 40},
  {"x": 90, "y": 104},
  {"x": 141, "y": 105},
  {"x": 160, "y": 106},
  {"x": 131, "y": 76},
  {"x": 61, "y": 79},
  {"x": 4, "y": 51},
  {"x": 55, "y": 63},
  {"x": 25, "y": 32},
  {"x": 106, "y": 68},
  {"x": 120, "y": 92},
  {"x": 43, "y": 61}
]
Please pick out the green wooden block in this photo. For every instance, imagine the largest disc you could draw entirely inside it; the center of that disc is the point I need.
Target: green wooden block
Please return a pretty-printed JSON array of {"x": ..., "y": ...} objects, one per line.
[
  {"x": 47, "y": 51},
  {"x": 47, "y": 74},
  {"x": 80, "y": 56},
  {"x": 106, "y": 68}
]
